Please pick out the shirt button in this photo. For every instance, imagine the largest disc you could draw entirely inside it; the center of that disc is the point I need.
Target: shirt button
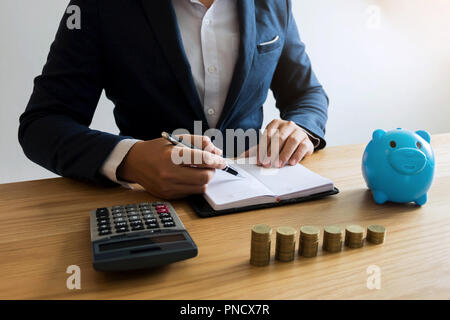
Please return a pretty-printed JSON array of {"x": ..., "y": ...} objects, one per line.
[
  {"x": 207, "y": 22},
  {"x": 211, "y": 111},
  {"x": 212, "y": 69}
]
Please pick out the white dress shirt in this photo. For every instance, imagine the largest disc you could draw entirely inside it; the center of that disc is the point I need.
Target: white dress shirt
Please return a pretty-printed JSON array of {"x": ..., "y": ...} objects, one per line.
[{"x": 211, "y": 41}]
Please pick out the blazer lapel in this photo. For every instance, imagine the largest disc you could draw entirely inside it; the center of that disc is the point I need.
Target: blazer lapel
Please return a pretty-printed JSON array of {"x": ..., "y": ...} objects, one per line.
[
  {"x": 247, "y": 25},
  {"x": 161, "y": 15}
]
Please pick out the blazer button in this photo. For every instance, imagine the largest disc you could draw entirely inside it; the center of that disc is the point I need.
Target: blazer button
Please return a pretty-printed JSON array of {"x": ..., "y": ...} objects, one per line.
[{"x": 211, "y": 111}]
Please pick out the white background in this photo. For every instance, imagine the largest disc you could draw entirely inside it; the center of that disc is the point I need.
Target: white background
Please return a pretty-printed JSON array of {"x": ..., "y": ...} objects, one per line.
[{"x": 387, "y": 75}]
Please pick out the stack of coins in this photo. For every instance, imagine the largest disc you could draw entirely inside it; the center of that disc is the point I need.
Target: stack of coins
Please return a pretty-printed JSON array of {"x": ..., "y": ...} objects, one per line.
[
  {"x": 376, "y": 234},
  {"x": 332, "y": 239},
  {"x": 309, "y": 241},
  {"x": 285, "y": 246},
  {"x": 354, "y": 236},
  {"x": 260, "y": 245}
]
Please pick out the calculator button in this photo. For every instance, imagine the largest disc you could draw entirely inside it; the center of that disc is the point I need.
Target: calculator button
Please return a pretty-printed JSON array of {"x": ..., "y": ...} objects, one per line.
[
  {"x": 103, "y": 226},
  {"x": 136, "y": 228},
  {"x": 164, "y": 215},
  {"x": 162, "y": 211},
  {"x": 122, "y": 229},
  {"x": 104, "y": 232},
  {"x": 134, "y": 218},
  {"x": 135, "y": 223},
  {"x": 168, "y": 219},
  {"x": 151, "y": 220},
  {"x": 149, "y": 216},
  {"x": 169, "y": 224},
  {"x": 152, "y": 225},
  {"x": 102, "y": 210},
  {"x": 119, "y": 219},
  {"x": 121, "y": 224},
  {"x": 102, "y": 221},
  {"x": 117, "y": 208},
  {"x": 147, "y": 211},
  {"x": 119, "y": 215}
]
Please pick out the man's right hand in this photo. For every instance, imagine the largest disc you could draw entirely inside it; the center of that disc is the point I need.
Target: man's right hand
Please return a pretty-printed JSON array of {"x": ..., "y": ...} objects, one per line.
[{"x": 150, "y": 164}]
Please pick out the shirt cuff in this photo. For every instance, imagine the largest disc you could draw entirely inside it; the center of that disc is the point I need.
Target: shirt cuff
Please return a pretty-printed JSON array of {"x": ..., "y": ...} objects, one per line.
[
  {"x": 315, "y": 141},
  {"x": 115, "y": 158}
]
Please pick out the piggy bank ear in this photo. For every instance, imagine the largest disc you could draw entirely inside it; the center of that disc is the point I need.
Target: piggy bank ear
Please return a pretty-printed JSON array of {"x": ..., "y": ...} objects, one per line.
[
  {"x": 425, "y": 135},
  {"x": 377, "y": 134}
]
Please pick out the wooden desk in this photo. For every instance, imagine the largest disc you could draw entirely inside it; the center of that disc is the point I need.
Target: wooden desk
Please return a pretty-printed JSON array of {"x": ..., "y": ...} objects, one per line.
[{"x": 44, "y": 228}]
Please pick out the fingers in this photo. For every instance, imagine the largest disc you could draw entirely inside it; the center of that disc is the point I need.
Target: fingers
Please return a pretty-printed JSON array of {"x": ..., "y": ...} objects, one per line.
[
  {"x": 198, "y": 158},
  {"x": 264, "y": 145},
  {"x": 186, "y": 175},
  {"x": 283, "y": 142},
  {"x": 288, "y": 131},
  {"x": 278, "y": 139},
  {"x": 290, "y": 146},
  {"x": 306, "y": 148},
  {"x": 251, "y": 152},
  {"x": 201, "y": 142}
]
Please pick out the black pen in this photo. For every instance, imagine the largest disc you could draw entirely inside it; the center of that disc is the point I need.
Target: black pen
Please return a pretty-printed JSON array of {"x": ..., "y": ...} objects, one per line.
[{"x": 177, "y": 141}]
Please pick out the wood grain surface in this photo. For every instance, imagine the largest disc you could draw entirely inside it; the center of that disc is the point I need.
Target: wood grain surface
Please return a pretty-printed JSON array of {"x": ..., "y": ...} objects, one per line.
[{"x": 44, "y": 228}]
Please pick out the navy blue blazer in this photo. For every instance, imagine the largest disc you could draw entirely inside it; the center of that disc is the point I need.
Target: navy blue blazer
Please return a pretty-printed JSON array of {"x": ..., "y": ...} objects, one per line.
[{"x": 133, "y": 50}]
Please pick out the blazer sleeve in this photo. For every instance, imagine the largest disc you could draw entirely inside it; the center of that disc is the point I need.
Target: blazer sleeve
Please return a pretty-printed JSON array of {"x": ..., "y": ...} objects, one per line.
[
  {"x": 299, "y": 95},
  {"x": 54, "y": 129}
]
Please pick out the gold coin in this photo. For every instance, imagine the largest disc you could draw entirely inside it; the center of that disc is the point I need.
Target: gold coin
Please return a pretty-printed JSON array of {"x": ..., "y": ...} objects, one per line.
[
  {"x": 332, "y": 230},
  {"x": 261, "y": 228},
  {"x": 286, "y": 231},
  {"x": 309, "y": 230},
  {"x": 376, "y": 234},
  {"x": 377, "y": 229},
  {"x": 354, "y": 229},
  {"x": 259, "y": 263}
]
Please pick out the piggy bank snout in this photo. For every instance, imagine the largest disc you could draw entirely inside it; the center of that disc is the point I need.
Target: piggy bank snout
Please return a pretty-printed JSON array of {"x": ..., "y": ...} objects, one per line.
[{"x": 407, "y": 161}]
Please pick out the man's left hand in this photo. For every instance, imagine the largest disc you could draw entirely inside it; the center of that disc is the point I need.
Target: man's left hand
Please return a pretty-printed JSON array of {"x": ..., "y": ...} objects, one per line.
[{"x": 283, "y": 142}]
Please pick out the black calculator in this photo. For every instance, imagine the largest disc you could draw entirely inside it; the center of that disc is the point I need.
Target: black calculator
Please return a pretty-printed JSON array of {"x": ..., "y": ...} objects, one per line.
[{"x": 138, "y": 236}]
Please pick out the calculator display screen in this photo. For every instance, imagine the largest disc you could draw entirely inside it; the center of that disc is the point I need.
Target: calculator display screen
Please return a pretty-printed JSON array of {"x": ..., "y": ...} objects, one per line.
[{"x": 143, "y": 241}]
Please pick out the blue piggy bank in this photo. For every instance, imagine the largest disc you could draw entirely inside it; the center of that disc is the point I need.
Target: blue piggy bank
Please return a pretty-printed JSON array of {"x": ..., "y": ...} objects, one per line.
[{"x": 398, "y": 166}]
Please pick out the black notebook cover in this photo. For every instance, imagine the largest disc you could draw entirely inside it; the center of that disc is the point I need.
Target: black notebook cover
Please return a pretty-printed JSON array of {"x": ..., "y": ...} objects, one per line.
[{"x": 204, "y": 210}]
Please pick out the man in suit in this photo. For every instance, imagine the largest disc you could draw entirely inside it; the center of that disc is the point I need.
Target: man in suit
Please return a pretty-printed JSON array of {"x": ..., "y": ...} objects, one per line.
[{"x": 166, "y": 64}]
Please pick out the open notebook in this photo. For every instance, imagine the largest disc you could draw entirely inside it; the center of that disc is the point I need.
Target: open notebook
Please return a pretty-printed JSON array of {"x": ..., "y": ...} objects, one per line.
[{"x": 260, "y": 185}]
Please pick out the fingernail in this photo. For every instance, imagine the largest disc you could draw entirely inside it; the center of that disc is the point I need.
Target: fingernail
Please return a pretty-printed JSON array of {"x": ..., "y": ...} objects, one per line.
[{"x": 280, "y": 163}]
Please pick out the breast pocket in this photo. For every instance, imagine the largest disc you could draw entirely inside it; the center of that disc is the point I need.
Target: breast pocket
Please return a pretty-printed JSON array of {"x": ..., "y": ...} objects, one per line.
[{"x": 270, "y": 45}]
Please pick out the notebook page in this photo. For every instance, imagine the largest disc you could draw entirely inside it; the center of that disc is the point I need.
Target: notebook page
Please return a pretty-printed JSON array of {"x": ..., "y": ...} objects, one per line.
[
  {"x": 225, "y": 188},
  {"x": 289, "y": 179}
]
